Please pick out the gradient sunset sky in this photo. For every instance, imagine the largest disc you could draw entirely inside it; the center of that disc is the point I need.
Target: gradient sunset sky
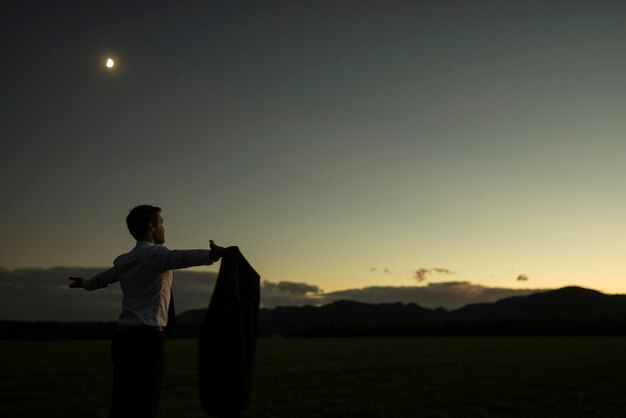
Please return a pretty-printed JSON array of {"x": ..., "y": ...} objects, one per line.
[{"x": 341, "y": 144}]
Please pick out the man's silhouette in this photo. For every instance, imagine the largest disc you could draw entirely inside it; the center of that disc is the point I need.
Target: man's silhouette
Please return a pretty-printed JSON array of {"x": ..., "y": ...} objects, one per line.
[{"x": 145, "y": 276}]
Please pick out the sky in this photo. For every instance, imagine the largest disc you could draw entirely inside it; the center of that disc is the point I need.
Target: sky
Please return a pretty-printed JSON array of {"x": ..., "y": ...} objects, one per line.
[{"x": 341, "y": 145}]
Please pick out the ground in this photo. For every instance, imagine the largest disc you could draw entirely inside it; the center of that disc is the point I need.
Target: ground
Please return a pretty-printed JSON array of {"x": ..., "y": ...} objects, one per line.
[{"x": 413, "y": 377}]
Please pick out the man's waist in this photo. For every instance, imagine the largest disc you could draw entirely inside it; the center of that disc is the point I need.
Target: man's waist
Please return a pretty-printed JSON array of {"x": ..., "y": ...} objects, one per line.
[
  {"x": 138, "y": 328},
  {"x": 150, "y": 316}
]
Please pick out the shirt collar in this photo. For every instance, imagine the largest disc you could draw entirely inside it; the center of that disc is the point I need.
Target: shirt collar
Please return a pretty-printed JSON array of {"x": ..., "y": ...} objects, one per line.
[{"x": 141, "y": 244}]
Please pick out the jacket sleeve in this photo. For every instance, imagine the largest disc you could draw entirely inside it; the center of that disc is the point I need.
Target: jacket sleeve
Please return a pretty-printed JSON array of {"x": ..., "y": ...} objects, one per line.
[
  {"x": 101, "y": 280},
  {"x": 164, "y": 259}
]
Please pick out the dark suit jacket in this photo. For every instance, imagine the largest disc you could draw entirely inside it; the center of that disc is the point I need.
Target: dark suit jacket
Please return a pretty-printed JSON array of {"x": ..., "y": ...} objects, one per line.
[{"x": 228, "y": 338}]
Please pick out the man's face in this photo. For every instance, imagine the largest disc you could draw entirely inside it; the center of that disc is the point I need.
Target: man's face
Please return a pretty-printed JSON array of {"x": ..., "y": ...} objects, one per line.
[{"x": 158, "y": 230}]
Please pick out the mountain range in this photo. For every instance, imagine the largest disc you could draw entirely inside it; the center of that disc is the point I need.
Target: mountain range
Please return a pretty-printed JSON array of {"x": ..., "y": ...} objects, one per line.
[{"x": 569, "y": 310}]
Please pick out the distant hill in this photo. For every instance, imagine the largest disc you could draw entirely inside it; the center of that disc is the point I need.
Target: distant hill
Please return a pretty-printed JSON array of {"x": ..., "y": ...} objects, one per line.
[
  {"x": 565, "y": 303},
  {"x": 568, "y": 310}
]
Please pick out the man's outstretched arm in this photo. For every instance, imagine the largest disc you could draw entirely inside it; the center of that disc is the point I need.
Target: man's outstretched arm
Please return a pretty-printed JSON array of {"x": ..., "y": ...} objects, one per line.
[
  {"x": 98, "y": 281},
  {"x": 166, "y": 259}
]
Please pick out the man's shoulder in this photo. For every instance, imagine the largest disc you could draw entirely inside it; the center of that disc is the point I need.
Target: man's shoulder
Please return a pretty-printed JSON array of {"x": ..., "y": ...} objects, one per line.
[
  {"x": 140, "y": 252},
  {"x": 124, "y": 258},
  {"x": 157, "y": 249},
  {"x": 153, "y": 253}
]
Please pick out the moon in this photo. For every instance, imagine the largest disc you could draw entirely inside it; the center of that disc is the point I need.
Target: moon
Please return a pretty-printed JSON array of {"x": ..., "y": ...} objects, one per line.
[{"x": 110, "y": 63}]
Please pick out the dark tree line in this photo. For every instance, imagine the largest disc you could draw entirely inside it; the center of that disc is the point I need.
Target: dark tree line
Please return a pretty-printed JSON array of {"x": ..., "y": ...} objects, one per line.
[{"x": 47, "y": 331}]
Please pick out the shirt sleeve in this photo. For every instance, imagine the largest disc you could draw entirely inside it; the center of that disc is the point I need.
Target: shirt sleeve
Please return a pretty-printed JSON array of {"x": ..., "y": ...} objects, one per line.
[
  {"x": 165, "y": 259},
  {"x": 101, "y": 280}
]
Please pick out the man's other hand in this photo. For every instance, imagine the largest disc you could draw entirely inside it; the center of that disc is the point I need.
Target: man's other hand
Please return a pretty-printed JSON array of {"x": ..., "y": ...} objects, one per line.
[
  {"x": 77, "y": 282},
  {"x": 216, "y": 250}
]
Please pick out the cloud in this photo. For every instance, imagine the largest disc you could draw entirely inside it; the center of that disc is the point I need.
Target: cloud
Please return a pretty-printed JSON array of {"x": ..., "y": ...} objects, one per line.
[
  {"x": 288, "y": 294},
  {"x": 37, "y": 294},
  {"x": 461, "y": 289},
  {"x": 384, "y": 270},
  {"x": 522, "y": 278},
  {"x": 292, "y": 288},
  {"x": 449, "y": 295},
  {"x": 422, "y": 274}
]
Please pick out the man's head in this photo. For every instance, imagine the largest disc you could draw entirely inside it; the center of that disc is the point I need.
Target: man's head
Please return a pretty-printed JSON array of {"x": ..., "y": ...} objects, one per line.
[{"x": 146, "y": 224}]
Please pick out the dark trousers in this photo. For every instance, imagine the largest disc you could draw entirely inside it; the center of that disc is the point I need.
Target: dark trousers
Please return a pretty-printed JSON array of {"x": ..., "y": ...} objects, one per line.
[{"x": 138, "y": 359}]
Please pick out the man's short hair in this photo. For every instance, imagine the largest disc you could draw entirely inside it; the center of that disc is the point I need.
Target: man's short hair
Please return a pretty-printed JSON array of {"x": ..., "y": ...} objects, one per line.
[{"x": 138, "y": 220}]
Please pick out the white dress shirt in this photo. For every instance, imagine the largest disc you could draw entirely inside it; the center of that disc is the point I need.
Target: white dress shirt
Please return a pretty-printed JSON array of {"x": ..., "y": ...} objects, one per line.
[{"x": 146, "y": 280}]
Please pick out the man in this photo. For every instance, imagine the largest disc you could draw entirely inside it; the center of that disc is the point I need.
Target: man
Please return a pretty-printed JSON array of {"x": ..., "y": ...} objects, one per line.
[{"x": 145, "y": 276}]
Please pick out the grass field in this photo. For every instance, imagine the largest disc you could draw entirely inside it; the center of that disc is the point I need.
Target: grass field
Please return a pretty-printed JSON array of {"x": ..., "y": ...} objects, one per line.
[{"x": 419, "y": 377}]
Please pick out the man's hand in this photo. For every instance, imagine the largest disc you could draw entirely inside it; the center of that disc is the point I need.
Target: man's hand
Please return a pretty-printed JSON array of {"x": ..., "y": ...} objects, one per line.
[
  {"x": 216, "y": 251},
  {"x": 77, "y": 282}
]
